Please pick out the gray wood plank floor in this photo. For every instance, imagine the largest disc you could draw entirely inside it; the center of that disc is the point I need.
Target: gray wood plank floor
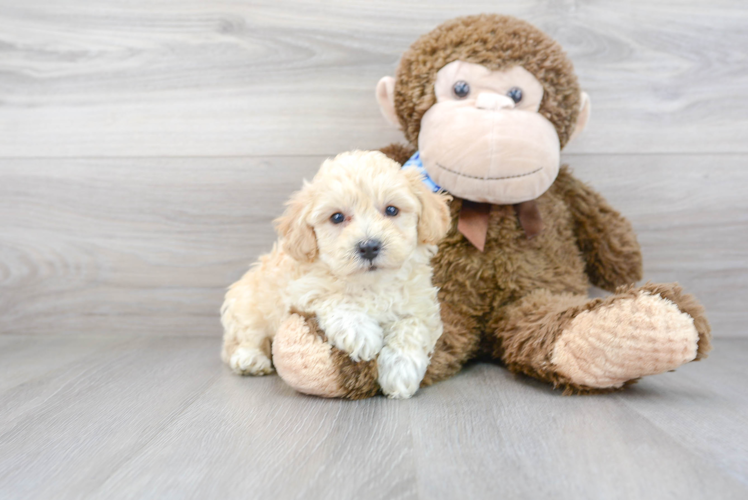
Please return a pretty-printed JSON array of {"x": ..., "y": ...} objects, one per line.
[{"x": 161, "y": 418}]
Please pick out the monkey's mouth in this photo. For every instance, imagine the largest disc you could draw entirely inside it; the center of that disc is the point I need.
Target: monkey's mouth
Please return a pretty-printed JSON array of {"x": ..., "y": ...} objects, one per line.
[{"x": 477, "y": 177}]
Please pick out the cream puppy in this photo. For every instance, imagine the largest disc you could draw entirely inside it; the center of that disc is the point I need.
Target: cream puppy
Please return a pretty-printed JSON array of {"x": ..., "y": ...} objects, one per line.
[{"x": 355, "y": 248}]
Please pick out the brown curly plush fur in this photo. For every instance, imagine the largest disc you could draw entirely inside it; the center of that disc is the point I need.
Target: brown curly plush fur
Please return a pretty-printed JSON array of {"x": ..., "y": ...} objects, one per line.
[
  {"x": 497, "y": 42},
  {"x": 526, "y": 331},
  {"x": 512, "y": 301},
  {"x": 609, "y": 261},
  {"x": 399, "y": 152},
  {"x": 489, "y": 297}
]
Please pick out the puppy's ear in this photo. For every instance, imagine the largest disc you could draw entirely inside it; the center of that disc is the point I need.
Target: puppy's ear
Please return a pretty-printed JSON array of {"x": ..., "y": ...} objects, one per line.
[
  {"x": 434, "y": 219},
  {"x": 299, "y": 240}
]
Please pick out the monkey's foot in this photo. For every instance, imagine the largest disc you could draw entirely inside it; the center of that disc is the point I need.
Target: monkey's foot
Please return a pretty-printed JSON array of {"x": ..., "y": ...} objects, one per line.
[{"x": 634, "y": 333}]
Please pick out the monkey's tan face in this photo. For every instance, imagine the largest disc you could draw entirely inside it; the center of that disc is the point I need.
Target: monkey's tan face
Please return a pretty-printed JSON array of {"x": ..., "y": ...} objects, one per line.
[{"x": 484, "y": 139}]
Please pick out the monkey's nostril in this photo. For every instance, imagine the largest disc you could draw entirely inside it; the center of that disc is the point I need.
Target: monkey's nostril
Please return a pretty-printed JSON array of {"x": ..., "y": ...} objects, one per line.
[{"x": 369, "y": 249}]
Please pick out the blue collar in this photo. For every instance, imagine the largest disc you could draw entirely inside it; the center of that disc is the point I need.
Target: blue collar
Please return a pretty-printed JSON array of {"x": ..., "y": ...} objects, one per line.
[{"x": 415, "y": 162}]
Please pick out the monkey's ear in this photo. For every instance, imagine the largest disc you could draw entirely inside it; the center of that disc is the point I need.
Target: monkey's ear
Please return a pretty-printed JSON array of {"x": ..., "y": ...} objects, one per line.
[
  {"x": 434, "y": 219},
  {"x": 386, "y": 99},
  {"x": 298, "y": 238},
  {"x": 585, "y": 108}
]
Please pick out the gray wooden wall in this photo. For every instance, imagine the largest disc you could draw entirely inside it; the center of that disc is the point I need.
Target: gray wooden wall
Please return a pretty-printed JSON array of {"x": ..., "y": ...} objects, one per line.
[{"x": 145, "y": 146}]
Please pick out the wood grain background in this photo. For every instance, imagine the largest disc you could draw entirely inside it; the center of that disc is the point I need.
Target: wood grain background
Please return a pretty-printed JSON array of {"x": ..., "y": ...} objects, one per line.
[
  {"x": 145, "y": 146},
  {"x": 154, "y": 417}
]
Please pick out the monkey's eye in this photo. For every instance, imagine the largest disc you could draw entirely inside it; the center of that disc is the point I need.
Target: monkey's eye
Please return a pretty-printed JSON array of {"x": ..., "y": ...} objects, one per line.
[
  {"x": 461, "y": 89},
  {"x": 515, "y": 94},
  {"x": 392, "y": 211},
  {"x": 337, "y": 218}
]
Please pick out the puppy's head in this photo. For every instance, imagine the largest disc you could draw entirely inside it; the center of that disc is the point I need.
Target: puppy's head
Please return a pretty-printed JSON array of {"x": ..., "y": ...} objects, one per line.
[{"x": 362, "y": 213}]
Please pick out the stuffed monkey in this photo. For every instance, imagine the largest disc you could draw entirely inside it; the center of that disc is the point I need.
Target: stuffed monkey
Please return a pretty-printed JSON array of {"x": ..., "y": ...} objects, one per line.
[{"x": 487, "y": 103}]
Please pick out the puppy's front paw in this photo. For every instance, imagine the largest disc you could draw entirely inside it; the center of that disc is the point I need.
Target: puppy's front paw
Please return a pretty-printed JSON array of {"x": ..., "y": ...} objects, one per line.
[
  {"x": 250, "y": 361},
  {"x": 401, "y": 372},
  {"x": 357, "y": 334}
]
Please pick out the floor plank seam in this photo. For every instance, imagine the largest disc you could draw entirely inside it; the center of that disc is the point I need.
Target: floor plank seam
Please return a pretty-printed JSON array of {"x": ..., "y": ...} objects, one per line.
[
  {"x": 156, "y": 433},
  {"x": 93, "y": 355},
  {"x": 735, "y": 474}
]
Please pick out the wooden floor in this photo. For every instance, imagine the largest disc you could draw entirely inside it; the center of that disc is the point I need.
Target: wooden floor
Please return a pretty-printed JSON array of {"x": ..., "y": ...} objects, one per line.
[
  {"x": 146, "y": 146},
  {"x": 92, "y": 417}
]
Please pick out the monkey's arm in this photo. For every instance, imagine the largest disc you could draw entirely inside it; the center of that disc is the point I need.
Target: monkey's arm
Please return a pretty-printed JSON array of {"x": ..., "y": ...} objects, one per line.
[{"x": 607, "y": 240}]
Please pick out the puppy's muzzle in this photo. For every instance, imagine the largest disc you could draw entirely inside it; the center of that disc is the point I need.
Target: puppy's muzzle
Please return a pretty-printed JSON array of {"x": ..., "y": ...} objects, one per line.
[{"x": 369, "y": 249}]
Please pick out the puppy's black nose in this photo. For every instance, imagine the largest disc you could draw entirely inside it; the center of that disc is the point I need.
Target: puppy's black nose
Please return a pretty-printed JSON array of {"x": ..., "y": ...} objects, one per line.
[{"x": 369, "y": 249}]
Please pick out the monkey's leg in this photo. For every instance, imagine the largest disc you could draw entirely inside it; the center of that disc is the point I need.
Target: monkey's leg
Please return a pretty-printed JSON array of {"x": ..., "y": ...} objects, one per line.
[
  {"x": 600, "y": 345},
  {"x": 308, "y": 363}
]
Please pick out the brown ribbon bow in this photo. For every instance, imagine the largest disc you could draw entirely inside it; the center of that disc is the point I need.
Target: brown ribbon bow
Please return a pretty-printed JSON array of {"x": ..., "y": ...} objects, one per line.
[{"x": 473, "y": 220}]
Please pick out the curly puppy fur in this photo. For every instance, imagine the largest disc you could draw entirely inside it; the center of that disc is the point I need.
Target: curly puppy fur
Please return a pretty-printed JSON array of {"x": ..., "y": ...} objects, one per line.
[{"x": 382, "y": 306}]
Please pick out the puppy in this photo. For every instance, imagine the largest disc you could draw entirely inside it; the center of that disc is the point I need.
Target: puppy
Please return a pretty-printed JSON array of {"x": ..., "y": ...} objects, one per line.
[{"x": 355, "y": 249}]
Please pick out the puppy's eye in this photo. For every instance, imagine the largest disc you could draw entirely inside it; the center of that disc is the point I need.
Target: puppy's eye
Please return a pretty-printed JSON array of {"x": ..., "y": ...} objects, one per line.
[
  {"x": 337, "y": 218},
  {"x": 461, "y": 89},
  {"x": 392, "y": 211},
  {"x": 515, "y": 94}
]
